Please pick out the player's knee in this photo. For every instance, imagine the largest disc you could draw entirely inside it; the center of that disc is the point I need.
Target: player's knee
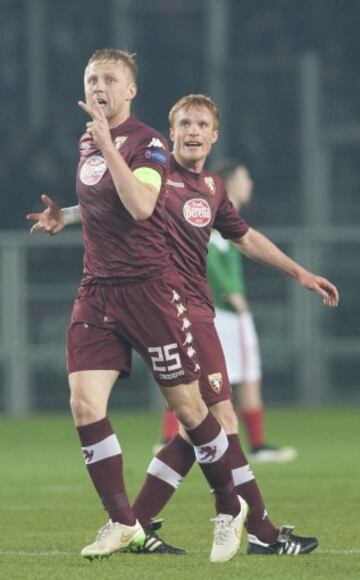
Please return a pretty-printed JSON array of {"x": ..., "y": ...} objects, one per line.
[
  {"x": 225, "y": 414},
  {"x": 82, "y": 410},
  {"x": 191, "y": 413}
]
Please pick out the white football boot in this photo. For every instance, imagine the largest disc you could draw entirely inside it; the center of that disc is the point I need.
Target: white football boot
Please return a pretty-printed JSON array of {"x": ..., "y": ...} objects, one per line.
[
  {"x": 114, "y": 537},
  {"x": 227, "y": 534},
  {"x": 270, "y": 454}
]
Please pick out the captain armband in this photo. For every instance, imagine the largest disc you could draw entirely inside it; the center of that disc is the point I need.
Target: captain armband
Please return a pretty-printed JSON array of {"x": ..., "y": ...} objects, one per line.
[
  {"x": 72, "y": 215},
  {"x": 148, "y": 176}
]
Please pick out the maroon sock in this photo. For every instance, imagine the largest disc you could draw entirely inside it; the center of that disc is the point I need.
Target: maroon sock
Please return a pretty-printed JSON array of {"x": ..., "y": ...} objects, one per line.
[
  {"x": 103, "y": 458},
  {"x": 254, "y": 426},
  {"x": 165, "y": 474},
  {"x": 210, "y": 444},
  {"x": 258, "y": 522}
]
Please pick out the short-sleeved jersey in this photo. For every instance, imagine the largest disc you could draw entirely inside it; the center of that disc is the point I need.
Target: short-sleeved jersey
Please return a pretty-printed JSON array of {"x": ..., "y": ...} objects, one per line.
[
  {"x": 224, "y": 271},
  {"x": 116, "y": 245},
  {"x": 196, "y": 203}
]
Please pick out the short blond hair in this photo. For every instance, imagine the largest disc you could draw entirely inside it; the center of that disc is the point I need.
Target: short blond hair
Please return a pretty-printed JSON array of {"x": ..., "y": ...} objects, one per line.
[
  {"x": 105, "y": 54},
  {"x": 193, "y": 100}
]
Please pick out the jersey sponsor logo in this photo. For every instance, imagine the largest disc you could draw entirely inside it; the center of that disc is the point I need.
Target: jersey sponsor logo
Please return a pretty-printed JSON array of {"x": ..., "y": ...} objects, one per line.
[
  {"x": 216, "y": 382},
  {"x": 155, "y": 142},
  {"x": 93, "y": 170},
  {"x": 210, "y": 184},
  {"x": 157, "y": 156},
  {"x": 119, "y": 141},
  {"x": 175, "y": 183},
  {"x": 197, "y": 212}
]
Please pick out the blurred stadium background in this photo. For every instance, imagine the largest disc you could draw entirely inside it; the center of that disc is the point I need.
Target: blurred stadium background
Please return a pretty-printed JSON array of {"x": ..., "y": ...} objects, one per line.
[{"x": 286, "y": 76}]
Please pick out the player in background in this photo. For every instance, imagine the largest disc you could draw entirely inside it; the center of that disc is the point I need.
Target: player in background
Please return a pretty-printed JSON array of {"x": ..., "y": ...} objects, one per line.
[
  {"x": 196, "y": 203},
  {"x": 131, "y": 296},
  {"x": 234, "y": 321}
]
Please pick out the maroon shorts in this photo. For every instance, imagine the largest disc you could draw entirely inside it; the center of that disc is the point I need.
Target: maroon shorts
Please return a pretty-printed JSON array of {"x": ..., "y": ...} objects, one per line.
[
  {"x": 214, "y": 380},
  {"x": 108, "y": 320}
]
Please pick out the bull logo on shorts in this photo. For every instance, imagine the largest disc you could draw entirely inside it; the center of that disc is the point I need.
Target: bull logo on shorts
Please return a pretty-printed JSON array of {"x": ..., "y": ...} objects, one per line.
[
  {"x": 216, "y": 382},
  {"x": 208, "y": 453}
]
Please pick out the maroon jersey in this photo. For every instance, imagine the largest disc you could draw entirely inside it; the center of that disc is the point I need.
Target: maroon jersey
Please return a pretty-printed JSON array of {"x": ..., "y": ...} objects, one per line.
[
  {"x": 115, "y": 244},
  {"x": 196, "y": 203}
]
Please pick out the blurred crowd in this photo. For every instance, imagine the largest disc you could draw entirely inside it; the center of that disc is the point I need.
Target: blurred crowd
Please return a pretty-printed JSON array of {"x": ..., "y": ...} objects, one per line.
[{"x": 265, "y": 42}]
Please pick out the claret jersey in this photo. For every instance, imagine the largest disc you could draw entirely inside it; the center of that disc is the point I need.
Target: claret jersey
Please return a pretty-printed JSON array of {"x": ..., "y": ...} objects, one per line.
[
  {"x": 115, "y": 244},
  {"x": 196, "y": 203}
]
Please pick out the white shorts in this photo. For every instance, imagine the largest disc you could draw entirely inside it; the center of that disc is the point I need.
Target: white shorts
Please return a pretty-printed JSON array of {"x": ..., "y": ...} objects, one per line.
[{"x": 240, "y": 343}]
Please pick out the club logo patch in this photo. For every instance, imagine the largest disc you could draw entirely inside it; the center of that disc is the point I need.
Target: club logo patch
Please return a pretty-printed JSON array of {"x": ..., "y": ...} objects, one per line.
[
  {"x": 216, "y": 382},
  {"x": 119, "y": 142},
  {"x": 93, "y": 170},
  {"x": 197, "y": 212}
]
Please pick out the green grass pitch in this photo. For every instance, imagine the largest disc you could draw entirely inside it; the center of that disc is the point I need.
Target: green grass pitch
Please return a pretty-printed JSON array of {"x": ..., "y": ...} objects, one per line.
[{"x": 48, "y": 509}]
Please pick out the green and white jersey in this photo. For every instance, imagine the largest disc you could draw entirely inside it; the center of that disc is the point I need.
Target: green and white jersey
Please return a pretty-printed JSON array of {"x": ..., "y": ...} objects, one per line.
[{"x": 224, "y": 270}]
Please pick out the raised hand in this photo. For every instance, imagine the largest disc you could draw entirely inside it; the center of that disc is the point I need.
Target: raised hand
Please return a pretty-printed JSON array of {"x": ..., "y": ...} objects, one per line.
[
  {"x": 99, "y": 126},
  {"x": 51, "y": 220},
  {"x": 321, "y": 286}
]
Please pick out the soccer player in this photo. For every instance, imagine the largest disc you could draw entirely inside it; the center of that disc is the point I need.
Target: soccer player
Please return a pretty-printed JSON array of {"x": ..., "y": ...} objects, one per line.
[
  {"x": 196, "y": 203},
  {"x": 131, "y": 296},
  {"x": 235, "y": 324}
]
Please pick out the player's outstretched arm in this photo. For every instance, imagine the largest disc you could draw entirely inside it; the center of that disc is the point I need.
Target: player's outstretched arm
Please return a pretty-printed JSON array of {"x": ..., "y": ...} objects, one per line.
[
  {"x": 258, "y": 247},
  {"x": 53, "y": 219}
]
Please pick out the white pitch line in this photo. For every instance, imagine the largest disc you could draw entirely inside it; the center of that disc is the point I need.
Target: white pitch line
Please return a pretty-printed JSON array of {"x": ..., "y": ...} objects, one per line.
[
  {"x": 346, "y": 552},
  {"x": 56, "y": 553},
  {"x": 36, "y": 554}
]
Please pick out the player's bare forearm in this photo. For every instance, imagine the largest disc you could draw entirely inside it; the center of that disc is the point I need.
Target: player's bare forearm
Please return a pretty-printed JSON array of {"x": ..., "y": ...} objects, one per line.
[
  {"x": 258, "y": 247},
  {"x": 138, "y": 198}
]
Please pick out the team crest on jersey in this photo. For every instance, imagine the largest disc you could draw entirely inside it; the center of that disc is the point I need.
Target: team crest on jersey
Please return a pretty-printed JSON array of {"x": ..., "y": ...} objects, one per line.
[
  {"x": 210, "y": 184},
  {"x": 216, "y": 382},
  {"x": 93, "y": 170},
  {"x": 197, "y": 212},
  {"x": 119, "y": 142}
]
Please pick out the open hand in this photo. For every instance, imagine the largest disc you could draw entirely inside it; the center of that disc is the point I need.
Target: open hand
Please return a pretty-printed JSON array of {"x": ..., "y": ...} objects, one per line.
[
  {"x": 321, "y": 286},
  {"x": 51, "y": 220}
]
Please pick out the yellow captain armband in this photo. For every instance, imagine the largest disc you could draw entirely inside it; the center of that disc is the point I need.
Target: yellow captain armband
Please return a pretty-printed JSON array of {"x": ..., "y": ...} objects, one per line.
[{"x": 148, "y": 175}]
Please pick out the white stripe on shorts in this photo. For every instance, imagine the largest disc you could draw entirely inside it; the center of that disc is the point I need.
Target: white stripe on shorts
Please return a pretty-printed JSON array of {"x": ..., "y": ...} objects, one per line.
[
  {"x": 212, "y": 451},
  {"x": 159, "y": 469},
  {"x": 108, "y": 447},
  {"x": 242, "y": 475}
]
